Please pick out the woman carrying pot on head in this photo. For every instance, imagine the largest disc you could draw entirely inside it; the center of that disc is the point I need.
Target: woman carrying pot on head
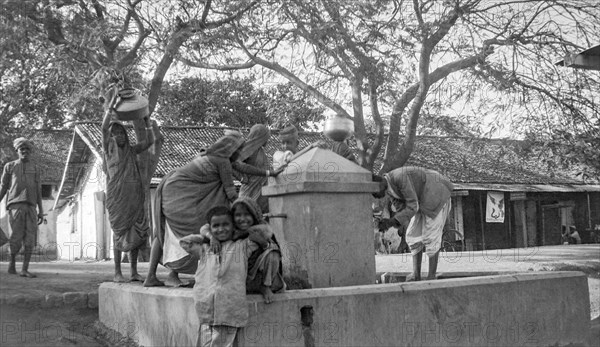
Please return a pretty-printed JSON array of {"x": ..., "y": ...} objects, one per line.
[{"x": 125, "y": 195}]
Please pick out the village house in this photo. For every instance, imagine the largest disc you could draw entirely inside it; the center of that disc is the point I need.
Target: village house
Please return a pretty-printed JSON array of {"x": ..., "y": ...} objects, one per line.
[
  {"x": 504, "y": 196},
  {"x": 50, "y": 152}
]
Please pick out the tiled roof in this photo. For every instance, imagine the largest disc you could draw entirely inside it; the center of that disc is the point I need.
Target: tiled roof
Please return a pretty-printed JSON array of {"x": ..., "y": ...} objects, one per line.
[
  {"x": 51, "y": 148},
  {"x": 182, "y": 144},
  {"x": 463, "y": 160}
]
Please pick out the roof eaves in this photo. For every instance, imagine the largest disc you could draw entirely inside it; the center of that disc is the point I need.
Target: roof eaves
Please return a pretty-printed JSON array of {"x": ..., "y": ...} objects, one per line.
[
  {"x": 64, "y": 175},
  {"x": 529, "y": 188},
  {"x": 88, "y": 142}
]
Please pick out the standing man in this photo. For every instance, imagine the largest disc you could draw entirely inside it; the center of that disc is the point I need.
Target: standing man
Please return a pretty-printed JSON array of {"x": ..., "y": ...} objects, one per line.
[
  {"x": 21, "y": 180},
  {"x": 426, "y": 198}
]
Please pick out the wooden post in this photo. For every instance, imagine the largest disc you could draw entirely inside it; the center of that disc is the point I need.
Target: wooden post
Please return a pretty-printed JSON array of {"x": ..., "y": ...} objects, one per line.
[
  {"x": 482, "y": 211},
  {"x": 508, "y": 214},
  {"x": 524, "y": 219},
  {"x": 589, "y": 211}
]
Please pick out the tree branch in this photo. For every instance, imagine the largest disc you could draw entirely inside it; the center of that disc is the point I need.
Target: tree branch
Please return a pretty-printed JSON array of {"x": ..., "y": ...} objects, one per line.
[
  {"x": 359, "y": 121},
  {"x": 142, "y": 34},
  {"x": 411, "y": 92},
  {"x": 198, "y": 25},
  {"x": 379, "y": 134},
  {"x": 205, "y": 11},
  {"x": 296, "y": 81},
  {"x": 226, "y": 67}
]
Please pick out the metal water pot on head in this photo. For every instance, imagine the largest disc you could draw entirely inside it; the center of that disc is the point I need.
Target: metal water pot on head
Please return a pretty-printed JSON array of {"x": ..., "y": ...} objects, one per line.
[
  {"x": 338, "y": 128},
  {"x": 131, "y": 104}
]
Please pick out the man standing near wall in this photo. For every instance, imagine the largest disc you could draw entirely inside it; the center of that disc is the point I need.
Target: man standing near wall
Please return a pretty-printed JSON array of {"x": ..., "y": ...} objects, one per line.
[{"x": 21, "y": 183}]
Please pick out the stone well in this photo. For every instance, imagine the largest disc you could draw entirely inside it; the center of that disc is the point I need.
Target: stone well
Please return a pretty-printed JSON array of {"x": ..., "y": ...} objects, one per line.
[
  {"x": 327, "y": 236},
  {"x": 327, "y": 246}
]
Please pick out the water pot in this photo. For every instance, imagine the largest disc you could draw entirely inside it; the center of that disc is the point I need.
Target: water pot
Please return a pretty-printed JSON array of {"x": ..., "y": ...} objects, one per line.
[
  {"x": 338, "y": 128},
  {"x": 131, "y": 105}
]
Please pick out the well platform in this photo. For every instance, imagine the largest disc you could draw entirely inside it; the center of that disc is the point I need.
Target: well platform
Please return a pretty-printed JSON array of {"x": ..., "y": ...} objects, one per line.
[{"x": 542, "y": 308}]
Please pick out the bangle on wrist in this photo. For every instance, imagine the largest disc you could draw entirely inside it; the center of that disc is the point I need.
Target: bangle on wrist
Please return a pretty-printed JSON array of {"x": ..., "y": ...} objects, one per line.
[{"x": 268, "y": 173}]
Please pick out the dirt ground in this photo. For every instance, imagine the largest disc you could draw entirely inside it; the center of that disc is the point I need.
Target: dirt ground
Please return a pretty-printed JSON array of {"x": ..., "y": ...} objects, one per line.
[
  {"x": 30, "y": 325},
  {"x": 23, "y": 325},
  {"x": 65, "y": 326},
  {"x": 65, "y": 276}
]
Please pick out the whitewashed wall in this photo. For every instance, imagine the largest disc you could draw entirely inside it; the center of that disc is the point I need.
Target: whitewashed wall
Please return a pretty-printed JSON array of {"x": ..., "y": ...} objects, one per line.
[{"x": 79, "y": 234}]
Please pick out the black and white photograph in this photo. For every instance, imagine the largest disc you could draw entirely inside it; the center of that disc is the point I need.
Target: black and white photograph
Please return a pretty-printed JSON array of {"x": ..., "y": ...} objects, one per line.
[{"x": 299, "y": 173}]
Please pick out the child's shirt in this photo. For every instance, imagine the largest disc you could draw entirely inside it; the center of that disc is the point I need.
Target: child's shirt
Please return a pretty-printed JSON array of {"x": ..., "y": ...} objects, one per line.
[{"x": 220, "y": 289}]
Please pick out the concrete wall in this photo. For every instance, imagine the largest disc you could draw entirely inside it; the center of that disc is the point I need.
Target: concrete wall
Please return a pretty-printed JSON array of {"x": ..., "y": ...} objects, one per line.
[{"x": 541, "y": 309}]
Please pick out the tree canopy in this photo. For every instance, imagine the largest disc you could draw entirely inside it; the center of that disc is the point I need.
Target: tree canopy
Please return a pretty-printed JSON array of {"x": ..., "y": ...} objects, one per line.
[
  {"x": 234, "y": 102},
  {"x": 392, "y": 66},
  {"x": 390, "y": 60}
]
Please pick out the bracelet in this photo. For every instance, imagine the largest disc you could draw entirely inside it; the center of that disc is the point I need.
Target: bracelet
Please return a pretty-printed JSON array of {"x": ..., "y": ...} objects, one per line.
[
  {"x": 148, "y": 128},
  {"x": 268, "y": 173}
]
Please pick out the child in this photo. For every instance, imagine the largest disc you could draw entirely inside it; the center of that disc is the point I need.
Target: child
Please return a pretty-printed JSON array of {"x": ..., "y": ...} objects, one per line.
[
  {"x": 289, "y": 139},
  {"x": 220, "y": 289},
  {"x": 264, "y": 265}
]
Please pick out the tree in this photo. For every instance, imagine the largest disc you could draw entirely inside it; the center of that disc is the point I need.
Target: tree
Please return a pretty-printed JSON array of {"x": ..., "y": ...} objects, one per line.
[
  {"x": 32, "y": 87},
  {"x": 96, "y": 40},
  {"x": 287, "y": 104},
  {"x": 395, "y": 53},
  {"x": 233, "y": 102}
]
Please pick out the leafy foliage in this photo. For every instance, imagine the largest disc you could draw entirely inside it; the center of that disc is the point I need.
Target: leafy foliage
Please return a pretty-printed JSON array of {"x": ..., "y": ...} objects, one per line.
[
  {"x": 288, "y": 104},
  {"x": 233, "y": 102}
]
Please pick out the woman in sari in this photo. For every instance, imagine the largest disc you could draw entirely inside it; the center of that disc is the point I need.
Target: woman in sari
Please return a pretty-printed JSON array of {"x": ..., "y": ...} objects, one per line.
[
  {"x": 185, "y": 195},
  {"x": 253, "y": 153},
  {"x": 125, "y": 194}
]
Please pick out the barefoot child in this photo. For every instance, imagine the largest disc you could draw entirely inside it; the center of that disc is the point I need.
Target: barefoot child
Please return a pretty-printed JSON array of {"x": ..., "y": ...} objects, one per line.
[
  {"x": 264, "y": 265},
  {"x": 220, "y": 289}
]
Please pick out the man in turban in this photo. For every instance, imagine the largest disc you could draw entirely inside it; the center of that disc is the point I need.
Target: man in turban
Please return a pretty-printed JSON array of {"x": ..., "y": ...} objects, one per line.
[{"x": 21, "y": 184}]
